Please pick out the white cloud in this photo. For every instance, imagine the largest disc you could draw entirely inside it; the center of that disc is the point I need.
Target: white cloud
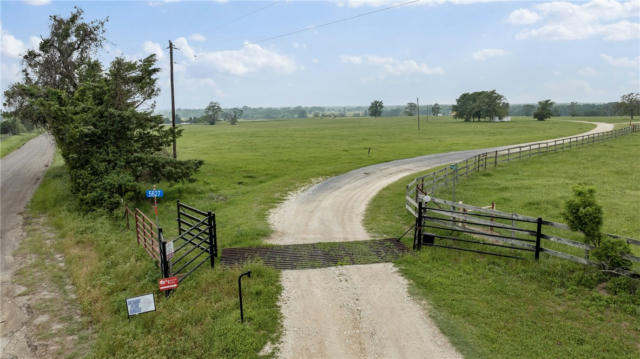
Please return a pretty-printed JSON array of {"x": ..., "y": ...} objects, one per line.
[
  {"x": 34, "y": 41},
  {"x": 315, "y": 60},
  {"x": 523, "y": 17},
  {"x": 356, "y": 60},
  {"x": 10, "y": 73},
  {"x": 393, "y": 66},
  {"x": 250, "y": 58},
  {"x": 37, "y": 2},
  {"x": 197, "y": 37},
  {"x": 577, "y": 21},
  {"x": 587, "y": 71},
  {"x": 484, "y": 54},
  {"x": 150, "y": 47},
  {"x": 622, "y": 61},
  {"x": 11, "y": 46}
]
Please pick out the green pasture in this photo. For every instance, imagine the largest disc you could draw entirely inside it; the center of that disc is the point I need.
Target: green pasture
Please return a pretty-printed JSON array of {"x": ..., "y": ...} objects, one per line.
[
  {"x": 248, "y": 170},
  {"x": 9, "y": 144},
  {"x": 493, "y": 307}
]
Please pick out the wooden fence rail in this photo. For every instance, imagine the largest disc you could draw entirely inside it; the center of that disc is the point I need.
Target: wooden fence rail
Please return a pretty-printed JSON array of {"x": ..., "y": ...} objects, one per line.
[
  {"x": 445, "y": 177},
  {"x": 510, "y": 228}
]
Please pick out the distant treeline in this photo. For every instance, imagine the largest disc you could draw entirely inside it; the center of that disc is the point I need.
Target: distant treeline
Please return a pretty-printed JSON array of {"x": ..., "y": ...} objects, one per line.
[
  {"x": 273, "y": 113},
  {"x": 568, "y": 109}
]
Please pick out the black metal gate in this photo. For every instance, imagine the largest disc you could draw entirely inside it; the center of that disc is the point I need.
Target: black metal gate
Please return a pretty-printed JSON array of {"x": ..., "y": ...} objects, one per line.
[
  {"x": 195, "y": 245},
  {"x": 447, "y": 222}
]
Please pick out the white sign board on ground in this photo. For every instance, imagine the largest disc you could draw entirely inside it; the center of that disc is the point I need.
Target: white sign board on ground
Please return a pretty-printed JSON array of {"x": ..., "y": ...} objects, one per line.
[{"x": 141, "y": 304}]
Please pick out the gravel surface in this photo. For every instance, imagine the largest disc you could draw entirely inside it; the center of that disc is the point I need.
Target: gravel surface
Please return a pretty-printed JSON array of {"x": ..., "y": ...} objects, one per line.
[
  {"x": 354, "y": 311},
  {"x": 20, "y": 174}
]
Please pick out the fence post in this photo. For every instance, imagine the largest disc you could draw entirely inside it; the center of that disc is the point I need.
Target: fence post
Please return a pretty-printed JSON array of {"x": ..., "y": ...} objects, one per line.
[
  {"x": 211, "y": 244},
  {"x": 179, "y": 217},
  {"x": 538, "y": 235},
  {"x": 495, "y": 159},
  {"x": 215, "y": 235},
  {"x": 417, "y": 233}
]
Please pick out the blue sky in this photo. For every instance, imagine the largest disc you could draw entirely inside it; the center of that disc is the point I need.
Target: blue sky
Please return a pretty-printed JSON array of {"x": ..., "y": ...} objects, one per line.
[{"x": 586, "y": 51}]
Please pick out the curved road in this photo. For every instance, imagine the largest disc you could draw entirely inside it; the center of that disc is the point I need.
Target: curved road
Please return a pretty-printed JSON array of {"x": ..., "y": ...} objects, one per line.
[{"x": 354, "y": 311}]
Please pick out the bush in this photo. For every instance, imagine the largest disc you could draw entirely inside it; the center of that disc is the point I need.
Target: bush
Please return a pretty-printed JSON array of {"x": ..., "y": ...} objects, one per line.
[
  {"x": 610, "y": 254},
  {"x": 623, "y": 285}
]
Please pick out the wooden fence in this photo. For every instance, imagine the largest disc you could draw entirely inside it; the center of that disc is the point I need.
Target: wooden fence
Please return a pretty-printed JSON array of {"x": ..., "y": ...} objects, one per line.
[
  {"x": 511, "y": 228},
  {"x": 146, "y": 232},
  {"x": 449, "y": 175}
]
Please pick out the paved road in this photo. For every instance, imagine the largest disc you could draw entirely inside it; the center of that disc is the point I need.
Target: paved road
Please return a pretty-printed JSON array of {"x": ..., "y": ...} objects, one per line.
[
  {"x": 331, "y": 312},
  {"x": 20, "y": 175}
]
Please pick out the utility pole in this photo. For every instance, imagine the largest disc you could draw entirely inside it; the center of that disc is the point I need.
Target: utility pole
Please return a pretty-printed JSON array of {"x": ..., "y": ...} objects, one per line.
[
  {"x": 418, "y": 105},
  {"x": 173, "y": 101}
]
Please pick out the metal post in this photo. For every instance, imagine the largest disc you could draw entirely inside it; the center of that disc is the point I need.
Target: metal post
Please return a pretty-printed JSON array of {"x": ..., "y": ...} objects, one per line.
[
  {"x": 179, "y": 217},
  {"x": 173, "y": 102},
  {"x": 210, "y": 225},
  {"x": 248, "y": 274},
  {"x": 538, "y": 235},
  {"x": 215, "y": 236}
]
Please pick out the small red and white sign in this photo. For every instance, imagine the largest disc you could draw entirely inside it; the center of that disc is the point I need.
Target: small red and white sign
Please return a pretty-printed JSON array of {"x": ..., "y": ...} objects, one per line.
[{"x": 168, "y": 283}]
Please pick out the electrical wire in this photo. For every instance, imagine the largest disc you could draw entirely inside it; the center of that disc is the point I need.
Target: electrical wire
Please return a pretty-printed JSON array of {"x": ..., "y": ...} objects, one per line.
[{"x": 313, "y": 27}]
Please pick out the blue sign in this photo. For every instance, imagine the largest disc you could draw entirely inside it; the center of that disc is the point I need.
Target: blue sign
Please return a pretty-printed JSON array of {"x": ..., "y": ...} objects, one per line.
[{"x": 151, "y": 193}]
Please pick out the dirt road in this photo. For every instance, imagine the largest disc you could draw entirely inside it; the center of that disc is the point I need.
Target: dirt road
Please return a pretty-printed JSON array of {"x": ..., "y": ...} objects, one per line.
[
  {"x": 354, "y": 311},
  {"x": 20, "y": 175}
]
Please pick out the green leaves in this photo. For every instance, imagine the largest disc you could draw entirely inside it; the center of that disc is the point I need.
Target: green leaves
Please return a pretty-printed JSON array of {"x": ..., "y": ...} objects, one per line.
[{"x": 109, "y": 146}]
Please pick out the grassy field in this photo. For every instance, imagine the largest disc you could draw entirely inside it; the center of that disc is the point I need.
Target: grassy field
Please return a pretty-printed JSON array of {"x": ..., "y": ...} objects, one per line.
[
  {"x": 9, "y": 144},
  {"x": 501, "y": 308},
  {"x": 248, "y": 169}
]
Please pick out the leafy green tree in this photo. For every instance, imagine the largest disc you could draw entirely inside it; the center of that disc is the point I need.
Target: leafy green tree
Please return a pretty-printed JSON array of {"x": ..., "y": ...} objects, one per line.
[
  {"x": 630, "y": 104},
  {"x": 544, "y": 110},
  {"x": 212, "y": 113},
  {"x": 435, "y": 109},
  {"x": 375, "y": 109},
  {"x": 411, "y": 109},
  {"x": 573, "y": 109},
  {"x": 583, "y": 214},
  {"x": 479, "y": 105},
  {"x": 102, "y": 119},
  {"x": 233, "y": 115}
]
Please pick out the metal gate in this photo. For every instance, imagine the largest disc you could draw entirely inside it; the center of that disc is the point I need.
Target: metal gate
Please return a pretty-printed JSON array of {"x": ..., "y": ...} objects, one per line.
[
  {"x": 195, "y": 245},
  {"x": 447, "y": 222}
]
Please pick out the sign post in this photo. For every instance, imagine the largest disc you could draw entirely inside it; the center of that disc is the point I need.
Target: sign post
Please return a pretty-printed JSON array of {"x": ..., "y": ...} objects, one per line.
[{"x": 155, "y": 193}]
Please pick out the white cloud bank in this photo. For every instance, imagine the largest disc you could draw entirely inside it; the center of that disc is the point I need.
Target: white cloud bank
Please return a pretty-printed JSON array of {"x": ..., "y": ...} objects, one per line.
[
  {"x": 484, "y": 54},
  {"x": 248, "y": 59},
  {"x": 576, "y": 21},
  {"x": 393, "y": 66},
  {"x": 150, "y": 47},
  {"x": 622, "y": 61},
  {"x": 197, "y": 37}
]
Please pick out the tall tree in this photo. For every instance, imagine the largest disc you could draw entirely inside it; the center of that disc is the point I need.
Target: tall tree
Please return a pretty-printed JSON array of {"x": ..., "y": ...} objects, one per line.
[
  {"x": 573, "y": 109},
  {"x": 233, "y": 115},
  {"x": 375, "y": 109},
  {"x": 102, "y": 120},
  {"x": 411, "y": 109},
  {"x": 212, "y": 113},
  {"x": 544, "y": 110},
  {"x": 630, "y": 104},
  {"x": 435, "y": 109},
  {"x": 481, "y": 104}
]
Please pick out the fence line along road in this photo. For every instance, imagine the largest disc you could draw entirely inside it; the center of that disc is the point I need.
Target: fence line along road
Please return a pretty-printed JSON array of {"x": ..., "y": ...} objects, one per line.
[{"x": 446, "y": 176}]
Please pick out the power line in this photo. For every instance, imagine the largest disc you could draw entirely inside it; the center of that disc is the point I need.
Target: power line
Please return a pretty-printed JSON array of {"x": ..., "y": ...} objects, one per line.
[
  {"x": 313, "y": 27},
  {"x": 275, "y": 2}
]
